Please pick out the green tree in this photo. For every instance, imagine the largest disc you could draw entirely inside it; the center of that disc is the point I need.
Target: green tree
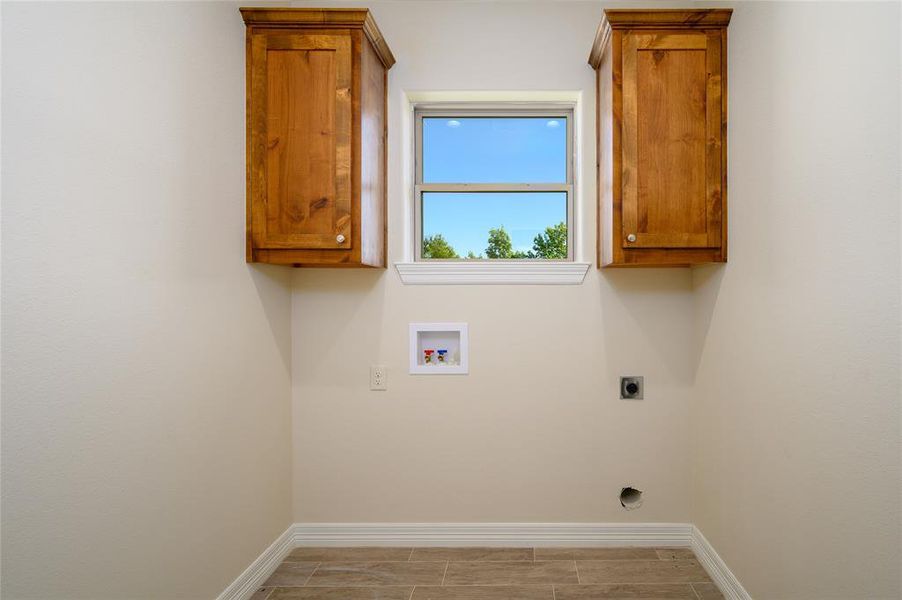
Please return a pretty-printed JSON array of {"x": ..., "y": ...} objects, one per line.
[
  {"x": 500, "y": 245},
  {"x": 473, "y": 256},
  {"x": 436, "y": 246},
  {"x": 553, "y": 243}
]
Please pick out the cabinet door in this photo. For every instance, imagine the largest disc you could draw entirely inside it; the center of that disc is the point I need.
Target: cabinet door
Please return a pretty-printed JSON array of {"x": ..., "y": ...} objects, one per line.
[
  {"x": 672, "y": 140},
  {"x": 300, "y": 106}
]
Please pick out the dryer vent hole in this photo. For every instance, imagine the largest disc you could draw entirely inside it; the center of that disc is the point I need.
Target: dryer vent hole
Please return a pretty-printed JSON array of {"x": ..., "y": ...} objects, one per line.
[{"x": 630, "y": 498}]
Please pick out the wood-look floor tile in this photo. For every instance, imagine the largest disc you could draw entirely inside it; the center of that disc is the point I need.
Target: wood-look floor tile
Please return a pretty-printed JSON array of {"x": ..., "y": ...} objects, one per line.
[
  {"x": 596, "y": 554},
  {"x": 707, "y": 591},
  {"x": 675, "y": 553},
  {"x": 511, "y": 573},
  {"x": 261, "y": 594},
  {"x": 641, "y": 571},
  {"x": 291, "y": 574},
  {"x": 479, "y": 592},
  {"x": 471, "y": 554},
  {"x": 625, "y": 591},
  {"x": 352, "y": 574},
  {"x": 365, "y": 553},
  {"x": 342, "y": 593}
]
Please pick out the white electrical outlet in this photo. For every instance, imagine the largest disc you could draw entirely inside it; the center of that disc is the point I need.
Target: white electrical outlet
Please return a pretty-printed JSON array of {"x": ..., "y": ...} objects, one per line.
[{"x": 378, "y": 378}]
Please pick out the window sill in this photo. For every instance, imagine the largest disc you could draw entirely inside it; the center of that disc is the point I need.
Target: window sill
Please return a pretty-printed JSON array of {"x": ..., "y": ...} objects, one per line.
[{"x": 495, "y": 273}]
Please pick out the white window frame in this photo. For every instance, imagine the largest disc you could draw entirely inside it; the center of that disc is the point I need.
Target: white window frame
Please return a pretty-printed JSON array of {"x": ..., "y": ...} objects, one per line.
[
  {"x": 563, "y": 111},
  {"x": 493, "y": 271}
]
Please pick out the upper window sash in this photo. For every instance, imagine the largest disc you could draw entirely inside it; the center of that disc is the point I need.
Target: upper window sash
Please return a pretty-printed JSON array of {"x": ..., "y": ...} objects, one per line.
[{"x": 450, "y": 113}]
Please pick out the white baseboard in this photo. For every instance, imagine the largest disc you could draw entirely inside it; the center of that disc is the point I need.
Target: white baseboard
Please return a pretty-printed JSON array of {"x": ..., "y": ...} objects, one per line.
[
  {"x": 718, "y": 570},
  {"x": 492, "y": 534},
  {"x": 260, "y": 570},
  {"x": 486, "y": 534}
]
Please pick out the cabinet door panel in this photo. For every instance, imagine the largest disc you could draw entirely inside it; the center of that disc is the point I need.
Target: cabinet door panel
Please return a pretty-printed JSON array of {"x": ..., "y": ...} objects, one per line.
[
  {"x": 671, "y": 140},
  {"x": 301, "y": 147}
]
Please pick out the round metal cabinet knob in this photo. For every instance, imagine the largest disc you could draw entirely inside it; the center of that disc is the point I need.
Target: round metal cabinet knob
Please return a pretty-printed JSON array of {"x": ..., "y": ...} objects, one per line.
[
  {"x": 631, "y": 237},
  {"x": 340, "y": 238}
]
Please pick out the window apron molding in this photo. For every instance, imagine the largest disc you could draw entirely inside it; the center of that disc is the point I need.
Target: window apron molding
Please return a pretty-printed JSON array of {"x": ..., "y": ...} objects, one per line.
[{"x": 492, "y": 272}]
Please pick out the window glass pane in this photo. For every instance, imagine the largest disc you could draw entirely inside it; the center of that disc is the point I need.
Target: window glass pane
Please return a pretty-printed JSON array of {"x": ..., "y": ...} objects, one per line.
[
  {"x": 494, "y": 150},
  {"x": 495, "y": 225}
]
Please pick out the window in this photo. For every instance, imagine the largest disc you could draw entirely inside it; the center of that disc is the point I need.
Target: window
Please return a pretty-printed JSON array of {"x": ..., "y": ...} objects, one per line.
[{"x": 494, "y": 184}]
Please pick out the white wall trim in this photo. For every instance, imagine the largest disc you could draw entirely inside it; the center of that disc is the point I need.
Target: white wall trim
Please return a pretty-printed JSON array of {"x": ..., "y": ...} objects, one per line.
[
  {"x": 260, "y": 570},
  {"x": 715, "y": 566},
  {"x": 492, "y": 534},
  {"x": 486, "y": 534},
  {"x": 487, "y": 273}
]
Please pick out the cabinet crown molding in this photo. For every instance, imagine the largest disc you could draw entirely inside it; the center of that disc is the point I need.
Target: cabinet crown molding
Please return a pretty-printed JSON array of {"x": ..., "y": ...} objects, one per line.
[
  {"x": 322, "y": 18},
  {"x": 629, "y": 18}
]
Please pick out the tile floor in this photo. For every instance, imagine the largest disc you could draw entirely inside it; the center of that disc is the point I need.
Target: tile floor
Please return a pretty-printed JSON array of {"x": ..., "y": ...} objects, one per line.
[{"x": 489, "y": 574}]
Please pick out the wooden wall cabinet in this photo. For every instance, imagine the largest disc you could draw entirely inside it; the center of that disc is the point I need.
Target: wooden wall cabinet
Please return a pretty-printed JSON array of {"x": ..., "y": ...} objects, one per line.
[
  {"x": 316, "y": 137},
  {"x": 661, "y": 118}
]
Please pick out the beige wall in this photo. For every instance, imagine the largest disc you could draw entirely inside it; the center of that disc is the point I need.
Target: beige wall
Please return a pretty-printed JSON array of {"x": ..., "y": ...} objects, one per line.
[
  {"x": 145, "y": 380},
  {"x": 797, "y": 397},
  {"x": 536, "y": 432},
  {"x": 145, "y": 375},
  {"x": 773, "y": 382}
]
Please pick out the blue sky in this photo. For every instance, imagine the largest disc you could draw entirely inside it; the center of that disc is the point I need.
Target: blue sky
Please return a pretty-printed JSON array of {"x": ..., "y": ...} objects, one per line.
[
  {"x": 465, "y": 219},
  {"x": 493, "y": 150}
]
